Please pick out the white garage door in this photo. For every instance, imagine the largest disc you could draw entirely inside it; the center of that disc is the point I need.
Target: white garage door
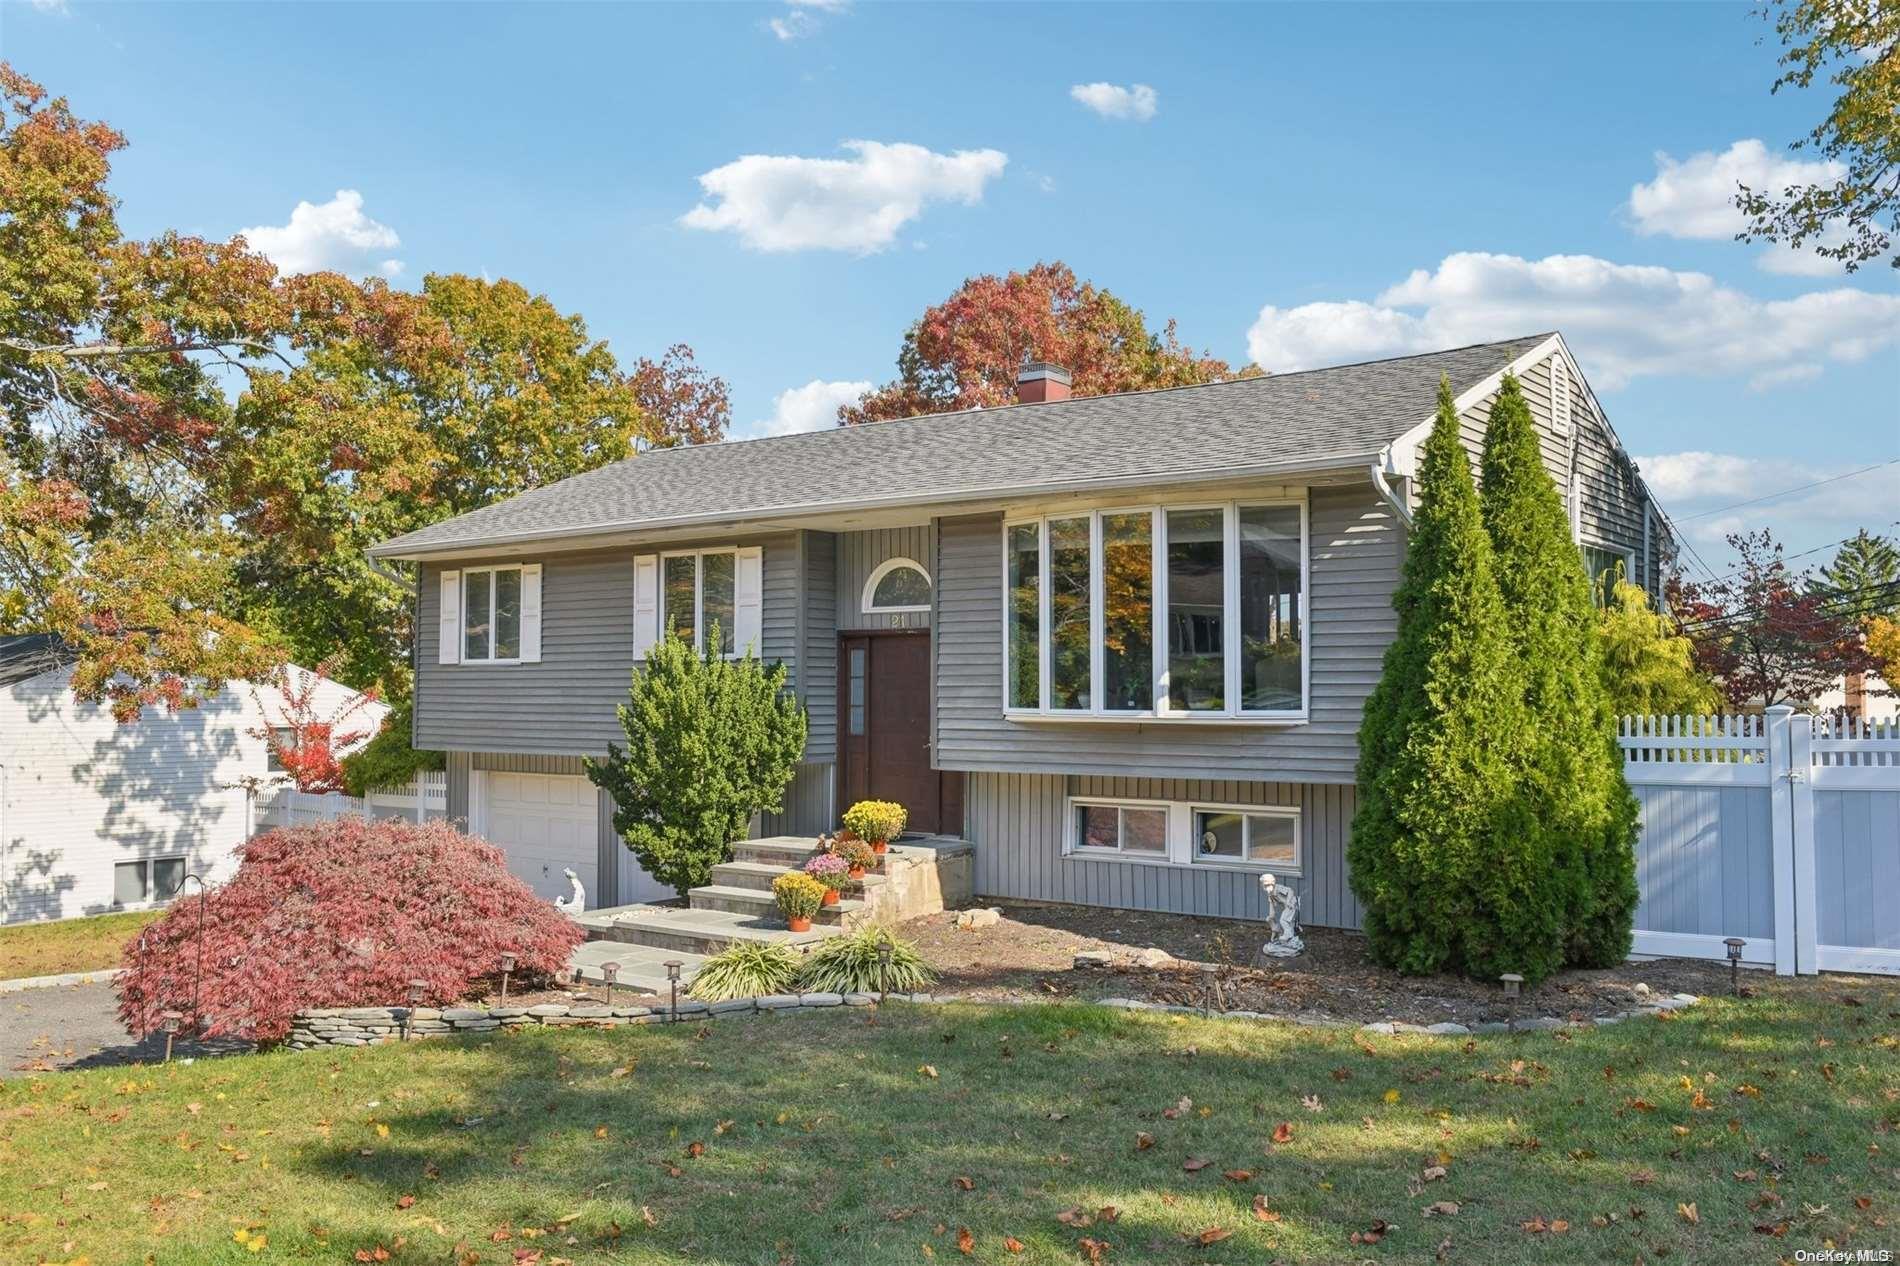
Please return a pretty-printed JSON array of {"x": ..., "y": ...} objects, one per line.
[{"x": 545, "y": 824}]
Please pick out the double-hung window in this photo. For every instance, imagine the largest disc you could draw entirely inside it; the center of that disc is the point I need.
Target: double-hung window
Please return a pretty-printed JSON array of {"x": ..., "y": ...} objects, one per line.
[
  {"x": 1177, "y": 611},
  {"x": 491, "y": 615},
  {"x": 697, "y": 591}
]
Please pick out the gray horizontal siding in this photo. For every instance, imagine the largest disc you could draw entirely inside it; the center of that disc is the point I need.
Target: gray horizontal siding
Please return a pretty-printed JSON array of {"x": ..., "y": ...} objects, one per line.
[
  {"x": 1355, "y": 556},
  {"x": 810, "y": 804},
  {"x": 1017, "y": 824},
  {"x": 860, "y": 553},
  {"x": 565, "y": 704},
  {"x": 818, "y": 645}
]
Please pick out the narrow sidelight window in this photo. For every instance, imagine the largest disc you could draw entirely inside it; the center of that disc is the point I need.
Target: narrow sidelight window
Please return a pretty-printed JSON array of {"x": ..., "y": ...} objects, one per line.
[
  {"x": 1024, "y": 617},
  {"x": 1069, "y": 583},
  {"x": 1197, "y": 550},
  {"x": 1270, "y": 625},
  {"x": 1128, "y": 612}
]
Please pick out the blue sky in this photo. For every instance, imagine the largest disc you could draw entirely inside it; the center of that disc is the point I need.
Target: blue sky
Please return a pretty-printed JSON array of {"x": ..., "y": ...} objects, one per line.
[{"x": 1299, "y": 185}]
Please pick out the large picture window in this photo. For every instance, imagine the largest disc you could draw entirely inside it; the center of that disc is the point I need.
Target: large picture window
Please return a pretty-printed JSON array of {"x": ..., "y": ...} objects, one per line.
[
  {"x": 491, "y": 614},
  {"x": 697, "y": 591},
  {"x": 1166, "y": 612}
]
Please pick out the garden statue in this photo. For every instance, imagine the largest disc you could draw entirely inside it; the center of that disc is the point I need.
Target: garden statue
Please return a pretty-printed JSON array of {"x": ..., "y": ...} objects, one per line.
[
  {"x": 574, "y": 905},
  {"x": 1283, "y": 915}
]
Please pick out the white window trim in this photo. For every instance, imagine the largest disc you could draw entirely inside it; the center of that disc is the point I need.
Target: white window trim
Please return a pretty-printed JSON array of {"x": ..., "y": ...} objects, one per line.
[
  {"x": 883, "y": 569},
  {"x": 1161, "y": 713},
  {"x": 151, "y": 880},
  {"x": 1183, "y": 850},
  {"x": 1291, "y": 812},
  {"x": 461, "y": 615},
  {"x": 699, "y": 595}
]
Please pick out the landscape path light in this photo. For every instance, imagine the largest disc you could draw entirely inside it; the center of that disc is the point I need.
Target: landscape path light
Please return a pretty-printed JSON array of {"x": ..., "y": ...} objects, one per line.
[
  {"x": 1513, "y": 985},
  {"x": 1734, "y": 944},
  {"x": 507, "y": 966},
  {"x": 673, "y": 966},
  {"x": 169, "y": 1022}
]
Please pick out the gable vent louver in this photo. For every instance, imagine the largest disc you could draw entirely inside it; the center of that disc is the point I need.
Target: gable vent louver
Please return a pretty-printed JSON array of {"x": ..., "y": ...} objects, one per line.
[{"x": 1559, "y": 395}]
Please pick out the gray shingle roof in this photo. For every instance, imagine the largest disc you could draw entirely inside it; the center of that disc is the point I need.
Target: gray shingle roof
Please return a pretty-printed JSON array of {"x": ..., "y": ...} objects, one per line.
[
  {"x": 24, "y": 656},
  {"x": 1314, "y": 419}
]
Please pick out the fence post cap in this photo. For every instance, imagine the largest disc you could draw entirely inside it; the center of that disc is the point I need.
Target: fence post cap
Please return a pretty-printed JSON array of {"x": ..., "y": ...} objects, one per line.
[{"x": 1780, "y": 709}]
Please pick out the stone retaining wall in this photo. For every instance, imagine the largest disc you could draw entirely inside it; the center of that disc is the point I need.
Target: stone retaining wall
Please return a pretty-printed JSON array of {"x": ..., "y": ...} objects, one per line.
[{"x": 367, "y": 1026}]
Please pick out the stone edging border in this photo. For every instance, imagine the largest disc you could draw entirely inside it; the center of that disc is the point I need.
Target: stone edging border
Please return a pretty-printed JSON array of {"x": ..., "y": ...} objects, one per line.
[
  {"x": 104, "y": 976},
  {"x": 370, "y": 1026}
]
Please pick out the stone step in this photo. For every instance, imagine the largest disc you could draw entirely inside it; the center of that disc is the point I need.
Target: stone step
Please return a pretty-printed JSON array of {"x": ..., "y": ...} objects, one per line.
[
  {"x": 784, "y": 851},
  {"x": 759, "y": 875},
  {"x": 642, "y": 967},
  {"x": 700, "y": 931},
  {"x": 764, "y": 905}
]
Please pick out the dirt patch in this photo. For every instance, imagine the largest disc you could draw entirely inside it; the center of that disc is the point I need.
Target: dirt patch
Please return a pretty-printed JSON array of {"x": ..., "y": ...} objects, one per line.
[{"x": 1031, "y": 952}]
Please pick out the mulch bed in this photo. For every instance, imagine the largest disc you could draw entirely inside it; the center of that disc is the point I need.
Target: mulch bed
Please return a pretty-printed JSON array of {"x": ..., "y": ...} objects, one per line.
[{"x": 1030, "y": 954}]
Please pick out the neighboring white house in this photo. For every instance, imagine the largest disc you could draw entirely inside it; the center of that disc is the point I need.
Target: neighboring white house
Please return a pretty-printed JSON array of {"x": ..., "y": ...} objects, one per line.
[
  {"x": 1865, "y": 698},
  {"x": 98, "y": 816}
]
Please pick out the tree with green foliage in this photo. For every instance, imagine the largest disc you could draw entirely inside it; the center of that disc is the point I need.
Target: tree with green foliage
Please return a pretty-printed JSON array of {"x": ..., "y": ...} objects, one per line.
[
  {"x": 387, "y": 760},
  {"x": 710, "y": 742},
  {"x": 1454, "y": 874},
  {"x": 1573, "y": 784},
  {"x": 1864, "y": 579},
  {"x": 1647, "y": 666}
]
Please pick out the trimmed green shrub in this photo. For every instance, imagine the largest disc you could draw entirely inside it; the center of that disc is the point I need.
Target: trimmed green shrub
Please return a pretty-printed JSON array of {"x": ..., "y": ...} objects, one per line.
[
  {"x": 747, "y": 969},
  {"x": 849, "y": 964},
  {"x": 1648, "y": 667},
  {"x": 878, "y": 821},
  {"x": 710, "y": 742},
  {"x": 799, "y": 896},
  {"x": 1453, "y": 874},
  {"x": 387, "y": 760},
  {"x": 1571, "y": 771}
]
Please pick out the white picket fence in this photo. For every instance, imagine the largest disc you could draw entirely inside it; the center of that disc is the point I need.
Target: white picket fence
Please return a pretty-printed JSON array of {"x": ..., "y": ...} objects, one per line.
[
  {"x": 423, "y": 800},
  {"x": 1781, "y": 829}
]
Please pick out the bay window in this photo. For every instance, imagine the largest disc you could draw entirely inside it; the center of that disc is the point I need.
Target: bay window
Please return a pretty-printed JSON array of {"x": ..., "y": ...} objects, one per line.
[{"x": 1162, "y": 612}]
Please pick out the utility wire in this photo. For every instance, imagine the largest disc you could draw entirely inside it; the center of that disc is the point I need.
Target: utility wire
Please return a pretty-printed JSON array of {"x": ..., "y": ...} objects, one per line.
[
  {"x": 1788, "y": 492},
  {"x": 1844, "y": 602},
  {"x": 1804, "y": 553}
]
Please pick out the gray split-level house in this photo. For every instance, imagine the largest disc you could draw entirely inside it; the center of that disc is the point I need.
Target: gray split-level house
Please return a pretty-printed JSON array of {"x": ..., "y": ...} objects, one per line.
[{"x": 1120, "y": 644}]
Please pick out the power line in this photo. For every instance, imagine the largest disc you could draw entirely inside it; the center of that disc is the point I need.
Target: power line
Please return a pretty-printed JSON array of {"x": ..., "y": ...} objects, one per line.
[
  {"x": 1842, "y": 602},
  {"x": 1787, "y": 492}
]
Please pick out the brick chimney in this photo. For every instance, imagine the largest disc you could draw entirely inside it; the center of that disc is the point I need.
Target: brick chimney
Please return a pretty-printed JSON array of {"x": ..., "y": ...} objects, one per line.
[{"x": 1039, "y": 383}]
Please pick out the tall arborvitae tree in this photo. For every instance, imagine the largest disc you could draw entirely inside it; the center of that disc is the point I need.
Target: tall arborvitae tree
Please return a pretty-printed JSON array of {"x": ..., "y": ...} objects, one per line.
[
  {"x": 1453, "y": 874},
  {"x": 1573, "y": 771}
]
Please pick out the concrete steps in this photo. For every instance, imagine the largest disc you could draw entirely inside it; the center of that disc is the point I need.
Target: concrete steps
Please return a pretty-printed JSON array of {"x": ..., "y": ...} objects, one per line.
[
  {"x": 764, "y": 906},
  {"x": 695, "y": 931}
]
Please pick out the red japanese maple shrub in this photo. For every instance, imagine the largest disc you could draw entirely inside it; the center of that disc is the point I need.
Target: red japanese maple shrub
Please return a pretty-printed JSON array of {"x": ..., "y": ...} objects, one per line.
[{"x": 341, "y": 914}]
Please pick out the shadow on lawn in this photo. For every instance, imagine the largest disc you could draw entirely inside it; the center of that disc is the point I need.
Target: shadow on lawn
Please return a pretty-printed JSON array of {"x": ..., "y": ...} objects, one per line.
[{"x": 1040, "y": 1108}]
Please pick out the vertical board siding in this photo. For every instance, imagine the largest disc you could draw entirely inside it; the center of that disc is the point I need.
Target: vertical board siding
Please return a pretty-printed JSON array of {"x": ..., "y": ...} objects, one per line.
[
  {"x": 1017, "y": 823},
  {"x": 860, "y": 553},
  {"x": 818, "y": 647},
  {"x": 1705, "y": 861},
  {"x": 810, "y": 804},
  {"x": 1857, "y": 868},
  {"x": 1355, "y": 550},
  {"x": 565, "y": 703}
]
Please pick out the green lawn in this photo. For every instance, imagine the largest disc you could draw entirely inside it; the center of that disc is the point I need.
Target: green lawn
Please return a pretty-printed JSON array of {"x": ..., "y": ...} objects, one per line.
[
  {"x": 856, "y": 1137},
  {"x": 49, "y": 949}
]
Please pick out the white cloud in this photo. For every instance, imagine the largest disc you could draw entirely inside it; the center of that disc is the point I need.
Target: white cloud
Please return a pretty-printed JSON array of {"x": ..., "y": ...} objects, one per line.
[
  {"x": 334, "y": 235},
  {"x": 1112, "y": 101},
  {"x": 785, "y": 203},
  {"x": 812, "y": 407},
  {"x": 51, "y": 6},
  {"x": 1624, "y": 320},
  {"x": 1701, "y": 490},
  {"x": 1695, "y": 198},
  {"x": 800, "y": 21}
]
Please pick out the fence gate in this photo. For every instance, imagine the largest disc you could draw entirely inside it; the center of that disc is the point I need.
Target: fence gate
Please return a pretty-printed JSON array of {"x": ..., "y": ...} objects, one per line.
[{"x": 1782, "y": 829}]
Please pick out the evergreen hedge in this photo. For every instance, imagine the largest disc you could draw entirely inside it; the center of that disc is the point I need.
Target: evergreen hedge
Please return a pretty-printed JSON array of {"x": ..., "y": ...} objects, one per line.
[
  {"x": 1454, "y": 872},
  {"x": 1572, "y": 783}
]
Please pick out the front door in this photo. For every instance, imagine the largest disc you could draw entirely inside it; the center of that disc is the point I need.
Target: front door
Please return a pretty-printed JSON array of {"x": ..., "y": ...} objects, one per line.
[{"x": 884, "y": 719}]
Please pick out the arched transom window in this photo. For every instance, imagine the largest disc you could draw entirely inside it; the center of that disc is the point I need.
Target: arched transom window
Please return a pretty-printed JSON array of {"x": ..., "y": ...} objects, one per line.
[{"x": 898, "y": 586}]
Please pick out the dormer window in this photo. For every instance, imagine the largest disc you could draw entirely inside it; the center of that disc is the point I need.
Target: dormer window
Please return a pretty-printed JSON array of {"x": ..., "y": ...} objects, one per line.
[{"x": 899, "y": 586}]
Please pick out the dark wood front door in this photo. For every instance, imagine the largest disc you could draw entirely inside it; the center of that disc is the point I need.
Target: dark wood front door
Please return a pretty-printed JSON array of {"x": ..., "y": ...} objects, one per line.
[{"x": 884, "y": 728}]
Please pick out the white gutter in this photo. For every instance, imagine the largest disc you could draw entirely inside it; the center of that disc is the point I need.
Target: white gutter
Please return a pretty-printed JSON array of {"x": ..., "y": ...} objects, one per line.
[{"x": 718, "y": 518}]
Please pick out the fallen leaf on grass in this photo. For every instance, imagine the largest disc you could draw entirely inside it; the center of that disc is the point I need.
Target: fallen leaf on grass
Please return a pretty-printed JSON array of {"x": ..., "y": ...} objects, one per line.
[
  {"x": 928, "y": 1070},
  {"x": 1013, "y": 1244},
  {"x": 1687, "y": 1212},
  {"x": 695, "y": 1150},
  {"x": 1238, "y": 1175},
  {"x": 966, "y": 1242},
  {"x": 1541, "y": 1226},
  {"x": 722, "y": 1127},
  {"x": 1144, "y": 1141},
  {"x": 1077, "y": 1217},
  {"x": 1432, "y": 1173},
  {"x": 1195, "y": 1164},
  {"x": 1312, "y": 1103},
  {"x": 1283, "y": 1133},
  {"x": 1261, "y": 1212},
  {"x": 1442, "y": 1209},
  {"x": 1392, "y": 1096},
  {"x": 1108, "y": 1213},
  {"x": 600, "y": 1131},
  {"x": 1178, "y": 1110},
  {"x": 1096, "y": 1249},
  {"x": 963, "y": 1184},
  {"x": 1379, "y": 1229},
  {"x": 404, "y": 1202},
  {"x": 1213, "y": 1235}
]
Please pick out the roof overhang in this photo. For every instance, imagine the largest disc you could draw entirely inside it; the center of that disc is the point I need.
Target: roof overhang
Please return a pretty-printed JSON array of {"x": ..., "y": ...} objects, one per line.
[{"x": 823, "y": 514}]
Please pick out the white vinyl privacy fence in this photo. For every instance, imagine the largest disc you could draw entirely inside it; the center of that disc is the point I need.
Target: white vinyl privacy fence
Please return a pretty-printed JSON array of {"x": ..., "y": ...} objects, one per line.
[
  {"x": 1781, "y": 829},
  {"x": 423, "y": 800}
]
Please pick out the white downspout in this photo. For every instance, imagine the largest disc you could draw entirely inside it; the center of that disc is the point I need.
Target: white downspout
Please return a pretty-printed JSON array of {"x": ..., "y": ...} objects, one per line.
[{"x": 1389, "y": 494}]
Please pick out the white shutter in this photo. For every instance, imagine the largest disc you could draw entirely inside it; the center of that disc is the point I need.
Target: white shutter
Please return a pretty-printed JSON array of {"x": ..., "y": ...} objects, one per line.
[
  {"x": 748, "y": 595},
  {"x": 450, "y": 619},
  {"x": 646, "y": 603},
  {"x": 531, "y": 613}
]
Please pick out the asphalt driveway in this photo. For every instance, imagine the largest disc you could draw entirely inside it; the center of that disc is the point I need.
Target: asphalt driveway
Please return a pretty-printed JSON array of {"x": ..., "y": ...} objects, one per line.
[{"x": 75, "y": 1026}]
